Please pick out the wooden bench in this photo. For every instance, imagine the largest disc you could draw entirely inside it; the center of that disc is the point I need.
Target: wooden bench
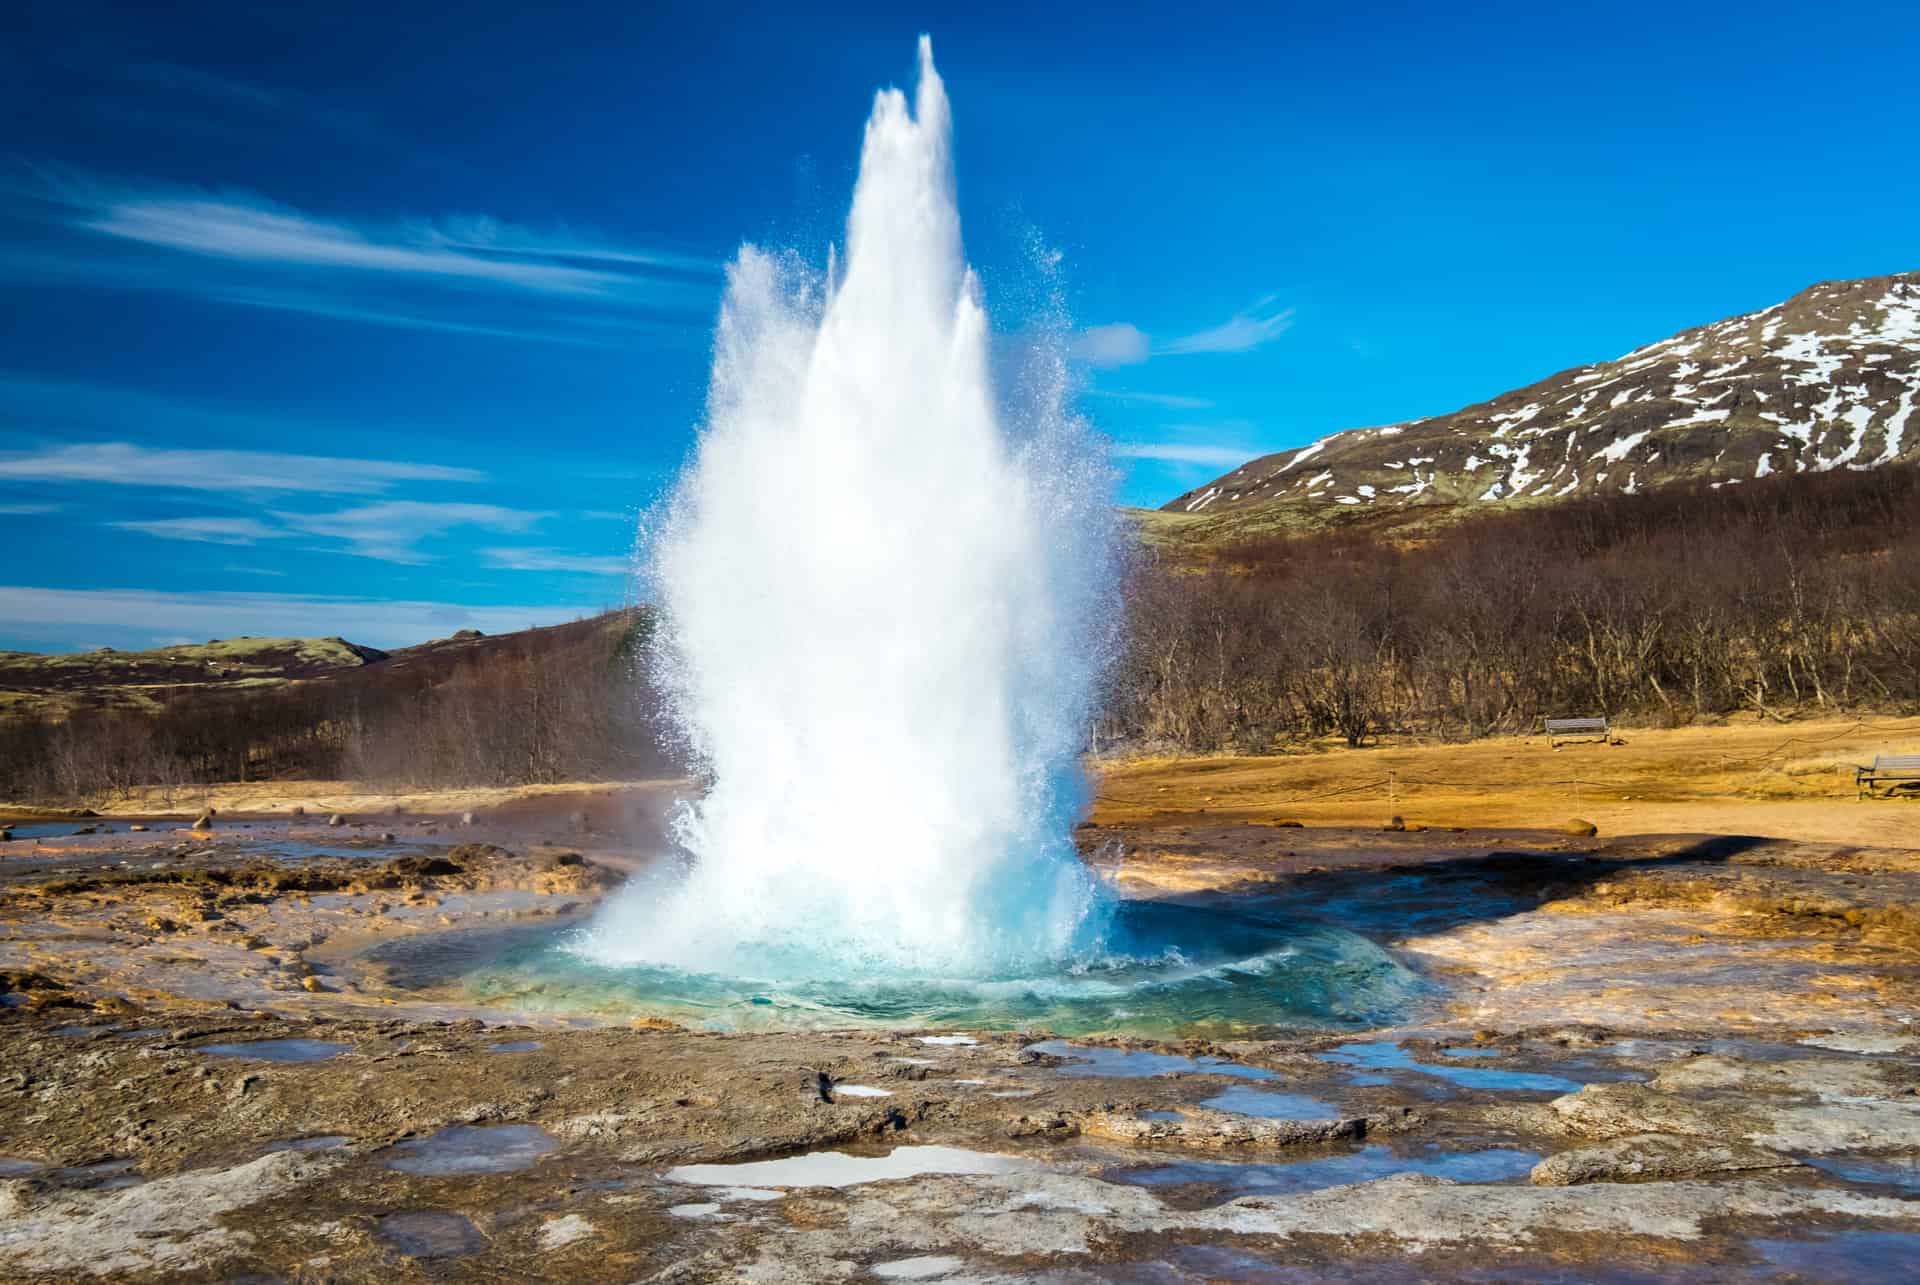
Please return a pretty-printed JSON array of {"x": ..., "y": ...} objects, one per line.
[
  {"x": 1558, "y": 728},
  {"x": 1886, "y": 767}
]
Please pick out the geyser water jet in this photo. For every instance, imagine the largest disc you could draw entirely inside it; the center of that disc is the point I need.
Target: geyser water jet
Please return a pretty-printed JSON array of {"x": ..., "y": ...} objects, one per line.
[{"x": 887, "y": 597}]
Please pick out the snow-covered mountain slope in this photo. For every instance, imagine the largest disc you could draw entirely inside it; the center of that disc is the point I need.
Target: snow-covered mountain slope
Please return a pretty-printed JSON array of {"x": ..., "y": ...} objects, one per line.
[{"x": 1829, "y": 379}]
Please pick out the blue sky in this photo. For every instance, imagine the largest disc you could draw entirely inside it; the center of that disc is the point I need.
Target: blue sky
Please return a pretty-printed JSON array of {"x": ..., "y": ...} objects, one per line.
[{"x": 340, "y": 320}]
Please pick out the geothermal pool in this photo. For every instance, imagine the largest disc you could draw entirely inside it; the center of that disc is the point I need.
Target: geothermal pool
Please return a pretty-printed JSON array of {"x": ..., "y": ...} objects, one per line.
[{"x": 1163, "y": 969}]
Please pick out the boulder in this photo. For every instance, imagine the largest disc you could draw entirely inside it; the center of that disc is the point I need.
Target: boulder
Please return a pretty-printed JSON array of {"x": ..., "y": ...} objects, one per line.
[
  {"x": 1583, "y": 829},
  {"x": 1394, "y": 823},
  {"x": 204, "y": 821},
  {"x": 336, "y": 819}
]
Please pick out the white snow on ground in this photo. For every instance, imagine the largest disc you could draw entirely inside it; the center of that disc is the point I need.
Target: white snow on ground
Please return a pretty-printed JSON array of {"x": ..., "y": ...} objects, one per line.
[
  {"x": 1896, "y": 428},
  {"x": 1307, "y": 452},
  {"x": 1616, "y": 450},
  {"x": 1859, "y": 417},
  {"x": 1702, "y": 417}
]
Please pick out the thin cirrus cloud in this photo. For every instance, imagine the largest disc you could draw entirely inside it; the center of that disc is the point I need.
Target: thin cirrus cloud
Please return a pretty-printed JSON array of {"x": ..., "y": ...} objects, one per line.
[
  {"x": 1218, "y": 456},
  {"x": 127, "y": 464},
  {"x": 1124, "y": 344},
  {"x": 390, "y": 530},
  {"x": 1172, "y": 401},
  {"x": 463, "y": 274},
  {"x": 553, "y": 560},
  {"x": 205, "y": 530},
  {"x": 231, "y": 229}
]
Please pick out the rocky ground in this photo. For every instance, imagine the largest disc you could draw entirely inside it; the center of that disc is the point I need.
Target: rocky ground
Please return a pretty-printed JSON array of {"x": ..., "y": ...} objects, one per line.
[{"x": 1647, "y": 1058}]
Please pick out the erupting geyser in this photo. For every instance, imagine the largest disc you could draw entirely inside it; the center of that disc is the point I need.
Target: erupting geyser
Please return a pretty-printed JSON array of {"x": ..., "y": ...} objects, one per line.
[{"x": 888, "y": 597}]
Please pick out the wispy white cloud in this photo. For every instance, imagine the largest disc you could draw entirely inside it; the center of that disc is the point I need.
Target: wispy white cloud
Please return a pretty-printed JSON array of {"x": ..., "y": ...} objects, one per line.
[
  {"x": 205, "y": 530},
  {"x": 126, "y": 464},
  {"x": 146, "y": 615},
  {"x": 25, "y": 510},
  {"x": 1122, "y": 343},
  {"x": 1172, "y": 401},
  {"x": 461, "y": 274},
  {"x": 390, "y": 530},
  {"x": 1118, "y": 344},
  {"x": 552, "y": 560},
  {"x": 1241, "y": 333},
  {"x": 1219, "y": 456},
  {"x": 243, "y": 229}
]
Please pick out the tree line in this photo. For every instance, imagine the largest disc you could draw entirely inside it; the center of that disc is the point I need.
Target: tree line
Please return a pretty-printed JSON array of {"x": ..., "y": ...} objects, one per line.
[
  {"x": 1787, "y": 595},
  {"x": 563, "y": 704}
]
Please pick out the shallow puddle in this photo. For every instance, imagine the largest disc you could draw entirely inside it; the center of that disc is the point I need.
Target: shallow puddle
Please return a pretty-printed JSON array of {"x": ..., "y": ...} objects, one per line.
[
  {"x": 430, "y": 1234},
  {"x": 1267, "y": 1104},
  {"x": 102, "y": 1175},
  {"x": 1373, "y": 1058},
  {"x": 516, "y": 1046},
  {"x": 1233, "y": 1180},
  {"x": 13, "y": 1167},
  {"x": 1855, "y": 1257},
  {"x": 277, "y": 1050},
  {"x": 838, "y": 1169},
  {"x": 1888, "y": 1171},
  {"x": 461, "y": 1148},
  {"x": 1129, "y": 1064}
]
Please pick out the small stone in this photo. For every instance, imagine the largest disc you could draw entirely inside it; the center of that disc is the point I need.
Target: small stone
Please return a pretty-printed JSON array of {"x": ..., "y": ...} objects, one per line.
[
  {"x": 336, "y": 819},
  {"x": 204, "y": 821},
  {"x": 297, "y": 811},
  {"x": 1583, "y": 829},
  {"x": 312, "y": 984},
  {"x": 137, "y": 829},
  {"x": 1394, "y": 823},
  {"x": 1288, "y": 824},
  {"x": 466, "y": 818}
]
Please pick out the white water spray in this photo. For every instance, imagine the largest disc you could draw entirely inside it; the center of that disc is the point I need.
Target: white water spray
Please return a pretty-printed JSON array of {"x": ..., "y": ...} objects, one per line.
[{"x": 888, "y": 599}]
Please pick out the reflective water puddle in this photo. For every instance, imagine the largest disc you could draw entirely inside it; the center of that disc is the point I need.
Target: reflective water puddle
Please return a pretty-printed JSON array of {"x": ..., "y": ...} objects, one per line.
[
  {"x": 1374, "y": 1057},
  {"x": 427, "y": 1233},
  {"x": 1268, "y": 1104},
  {"x": 1128, "y": 1064},
  {"x": 278, "y": 1050},
  {"x": 1856, "y": 1257},
  {"x": 1360, "y": 1165},
  {"x": 461, "y": 1148},
  {"x": 838, "y": 1169},
  {"x": 1895, "y": 1171}
]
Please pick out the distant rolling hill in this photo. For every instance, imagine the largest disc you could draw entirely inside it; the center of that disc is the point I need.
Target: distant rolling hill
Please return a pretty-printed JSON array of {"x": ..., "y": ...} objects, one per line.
[
  {"x": 1829, "y": 379},
  {"x": 56, "y": 685}
]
